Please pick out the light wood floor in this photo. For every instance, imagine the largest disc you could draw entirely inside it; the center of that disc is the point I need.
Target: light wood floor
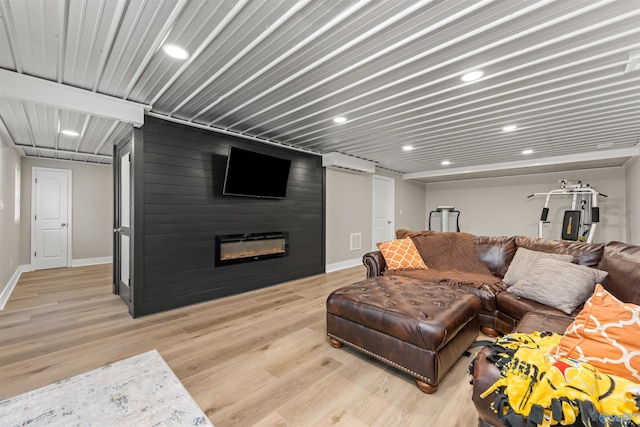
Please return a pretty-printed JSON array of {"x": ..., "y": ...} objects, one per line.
[{"x": 259, "y": 358}]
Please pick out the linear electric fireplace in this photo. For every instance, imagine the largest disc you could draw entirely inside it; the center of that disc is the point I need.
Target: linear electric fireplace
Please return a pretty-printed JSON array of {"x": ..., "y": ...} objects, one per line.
[{"x": 238, "y": 248}]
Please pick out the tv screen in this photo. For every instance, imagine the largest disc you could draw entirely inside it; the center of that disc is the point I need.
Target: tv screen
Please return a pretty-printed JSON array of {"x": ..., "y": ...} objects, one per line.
[{"x": 255, "y": 175}]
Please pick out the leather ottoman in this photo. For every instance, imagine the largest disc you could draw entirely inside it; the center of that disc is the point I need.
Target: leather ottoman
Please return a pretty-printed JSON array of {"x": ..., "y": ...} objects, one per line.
[{"x": 419, "y": 328}]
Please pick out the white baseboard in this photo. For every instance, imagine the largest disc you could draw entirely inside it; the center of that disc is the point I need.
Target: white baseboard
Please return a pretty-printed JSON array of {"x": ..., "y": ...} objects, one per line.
[
  {"x": 329, "y": 268},
  {"x": 8, "y": 289},
  {"x": 91, "y": 261}
]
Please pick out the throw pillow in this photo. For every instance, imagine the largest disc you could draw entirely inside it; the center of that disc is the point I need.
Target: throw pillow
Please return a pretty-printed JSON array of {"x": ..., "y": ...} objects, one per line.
[
  {"x": 401, "y": 254},
  {"x": 605, "y": 335},
  {"x": 523, "y": 261},
  {"x": 558, "y": 284}
]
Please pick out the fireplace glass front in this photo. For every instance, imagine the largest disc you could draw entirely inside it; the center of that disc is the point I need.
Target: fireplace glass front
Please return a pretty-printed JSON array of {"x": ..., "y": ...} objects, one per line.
[{"x": 237, "y": 248}]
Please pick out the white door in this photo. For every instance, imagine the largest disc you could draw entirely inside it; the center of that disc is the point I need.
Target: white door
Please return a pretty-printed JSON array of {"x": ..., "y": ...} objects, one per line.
[
  {"x": 383, "y": 207},
  {"x": 51, "y": 217}
]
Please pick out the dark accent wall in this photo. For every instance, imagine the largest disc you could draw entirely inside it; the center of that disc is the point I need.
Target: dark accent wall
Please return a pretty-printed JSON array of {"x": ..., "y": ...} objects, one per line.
[{"x": 184, "y": 209}]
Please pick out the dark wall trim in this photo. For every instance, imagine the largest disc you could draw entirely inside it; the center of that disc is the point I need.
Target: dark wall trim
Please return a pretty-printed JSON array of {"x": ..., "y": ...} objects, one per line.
[{"x": 183, "y": 209}]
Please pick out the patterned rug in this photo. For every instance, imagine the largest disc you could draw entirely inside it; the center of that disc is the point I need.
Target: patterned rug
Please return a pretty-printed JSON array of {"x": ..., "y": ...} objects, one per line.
[{"x": 139, "y": 391}]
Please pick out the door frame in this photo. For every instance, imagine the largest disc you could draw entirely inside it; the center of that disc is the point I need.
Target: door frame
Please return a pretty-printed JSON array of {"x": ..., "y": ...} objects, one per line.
[
  {"x": 134, "y": 298},
  {"x": 69, "y": 173},
  {"x": 117, "y": 220},
  {"x": 392, "y": 204}
]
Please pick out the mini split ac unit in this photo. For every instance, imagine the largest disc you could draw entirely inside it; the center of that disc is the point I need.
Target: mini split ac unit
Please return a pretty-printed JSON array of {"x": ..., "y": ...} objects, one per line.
[{"x": 342, "y": 161}]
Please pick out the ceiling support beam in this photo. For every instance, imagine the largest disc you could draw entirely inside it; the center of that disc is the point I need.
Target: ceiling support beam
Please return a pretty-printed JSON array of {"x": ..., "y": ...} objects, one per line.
[
  {"x": 232, "y": 133},
  {"x": 67, "y": 153},
  {"x": 532, "y": 163},
  {"x": 32, "y": 89}
]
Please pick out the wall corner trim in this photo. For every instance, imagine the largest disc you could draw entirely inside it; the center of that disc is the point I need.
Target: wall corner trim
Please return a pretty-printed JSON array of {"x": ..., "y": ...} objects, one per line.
[
  {"x": 8, "y": 289},
  {"x": 329, "y": 268}
]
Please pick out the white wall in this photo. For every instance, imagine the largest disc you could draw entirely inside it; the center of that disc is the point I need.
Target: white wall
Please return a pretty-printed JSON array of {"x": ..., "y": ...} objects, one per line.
[
  {"x": 9, "y": 230},
  {"x": 349, "y": 198},
  {"x": 499, "y": 206},
  {"x": 632, "y": 169},
  {"x": 92, "y": 213}
]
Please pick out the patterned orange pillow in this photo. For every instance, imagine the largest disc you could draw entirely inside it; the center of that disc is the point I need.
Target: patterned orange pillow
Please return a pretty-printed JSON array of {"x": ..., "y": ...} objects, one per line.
[
  {"x": 605, "y": 334},
  {"x": 401, "y": 254}
]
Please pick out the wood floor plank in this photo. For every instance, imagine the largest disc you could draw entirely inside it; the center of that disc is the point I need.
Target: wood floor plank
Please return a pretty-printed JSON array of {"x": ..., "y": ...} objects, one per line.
[{"x": 256, "y": 359}]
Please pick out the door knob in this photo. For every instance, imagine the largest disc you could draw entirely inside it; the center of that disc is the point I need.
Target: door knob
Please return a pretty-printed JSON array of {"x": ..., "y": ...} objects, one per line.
[
  {"x": 63, "y": 224},
  {"x": 117, "y": 230}
]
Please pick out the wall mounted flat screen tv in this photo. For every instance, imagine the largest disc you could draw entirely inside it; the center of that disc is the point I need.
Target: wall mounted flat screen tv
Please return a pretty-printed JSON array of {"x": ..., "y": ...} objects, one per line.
[{"x": 253, "y": 174}]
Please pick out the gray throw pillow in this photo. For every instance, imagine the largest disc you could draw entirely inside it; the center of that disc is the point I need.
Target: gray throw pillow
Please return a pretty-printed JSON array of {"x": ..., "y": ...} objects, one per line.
[
  {"x": 558, "y": 284},
  {"x": 523, "y": 261}
]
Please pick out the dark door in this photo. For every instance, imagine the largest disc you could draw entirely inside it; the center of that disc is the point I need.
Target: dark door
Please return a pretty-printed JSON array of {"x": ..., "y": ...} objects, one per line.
[{"x": 122, "y": 265}]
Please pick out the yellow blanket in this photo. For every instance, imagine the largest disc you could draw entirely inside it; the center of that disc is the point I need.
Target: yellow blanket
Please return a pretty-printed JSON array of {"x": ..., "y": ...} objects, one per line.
[{"x": 535, "y": 387}]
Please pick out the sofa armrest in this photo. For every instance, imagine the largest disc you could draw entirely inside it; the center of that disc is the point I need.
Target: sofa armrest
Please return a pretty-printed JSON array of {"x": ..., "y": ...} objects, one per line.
[
  {"x": 375, "y": 263},
  {"x": 485, "y": 373}
]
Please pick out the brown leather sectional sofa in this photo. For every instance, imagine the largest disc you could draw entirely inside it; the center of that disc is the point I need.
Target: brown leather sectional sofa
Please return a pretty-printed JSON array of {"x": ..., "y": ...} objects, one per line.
[
  {"x": 505, "y": 312},
  {"x": 502, "y": 311}
]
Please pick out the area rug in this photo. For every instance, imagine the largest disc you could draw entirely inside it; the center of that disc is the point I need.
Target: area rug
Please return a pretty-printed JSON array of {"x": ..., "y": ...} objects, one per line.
[{"x": 139, "y": 391}]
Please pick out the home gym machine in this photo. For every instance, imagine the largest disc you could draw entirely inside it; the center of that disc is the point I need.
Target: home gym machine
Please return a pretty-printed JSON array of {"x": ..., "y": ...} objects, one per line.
[
  {"x": 444, "y": 218},
  {"x": 580, "y": 222}
]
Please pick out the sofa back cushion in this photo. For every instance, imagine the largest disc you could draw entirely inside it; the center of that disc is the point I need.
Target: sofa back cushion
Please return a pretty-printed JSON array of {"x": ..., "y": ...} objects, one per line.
[
  {"x": 559, "y": 284},
  {"x": 523, "y": 263},
  {"x": 588, "y": 254},
  {"x": 496, "y": 253},
  {"x": 622, "y": 262}
]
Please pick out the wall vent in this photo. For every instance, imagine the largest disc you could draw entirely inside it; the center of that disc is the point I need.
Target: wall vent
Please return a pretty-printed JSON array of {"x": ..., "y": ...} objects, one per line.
[{"x": 356, "y": 241}]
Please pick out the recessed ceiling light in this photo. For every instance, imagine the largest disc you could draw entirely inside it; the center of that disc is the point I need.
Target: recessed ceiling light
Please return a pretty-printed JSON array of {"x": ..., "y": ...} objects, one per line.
[
  {"x": 445, "y": 162},
  {"x": 339, "y": 119},
  {"x": 407, "y": 148},
  {"x": 605, "y": 145},
  {"x": 471, "y": 76},
  {"x": 525, "y": 152},
  {"x": 509, "y": 128},
  {"x": 175, "y": 51},
  {"x": 69, "y": 132},
  {"x": 634, "y": 63}
]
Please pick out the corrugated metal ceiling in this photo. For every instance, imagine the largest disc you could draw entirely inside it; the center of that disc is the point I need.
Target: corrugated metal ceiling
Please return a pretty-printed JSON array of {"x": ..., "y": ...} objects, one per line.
[{"x": 280, "y": 71}]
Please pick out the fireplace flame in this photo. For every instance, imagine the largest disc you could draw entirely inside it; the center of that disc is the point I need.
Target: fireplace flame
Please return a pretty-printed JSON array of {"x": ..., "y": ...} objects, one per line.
[{"x": 249, "y": 254}]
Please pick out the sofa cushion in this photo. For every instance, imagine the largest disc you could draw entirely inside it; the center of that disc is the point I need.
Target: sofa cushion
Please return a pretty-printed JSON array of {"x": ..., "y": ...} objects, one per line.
[
  {"x": 516, "y": 306},
  {"x": 496, "y": 253},
  {"x": 605, "y": 334},
  {"x": 524, "y": 260},
  {"x": 559, "y": 284},
  {"x": 532, "y": 322},
  {"x": 621, "y": 260},
  {"x": 401, "y": 254},
  {"x": 588, "y": 254}
]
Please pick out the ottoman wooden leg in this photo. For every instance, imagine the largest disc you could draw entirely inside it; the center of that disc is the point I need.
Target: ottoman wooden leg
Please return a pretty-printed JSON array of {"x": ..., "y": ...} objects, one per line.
[
  {"x": 427, "y": 388},
  {"x": 335, "y": 343}
]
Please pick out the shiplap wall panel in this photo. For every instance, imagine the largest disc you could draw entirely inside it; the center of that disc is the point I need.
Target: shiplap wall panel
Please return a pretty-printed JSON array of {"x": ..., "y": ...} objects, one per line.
[{"x": 184, "y": 209}]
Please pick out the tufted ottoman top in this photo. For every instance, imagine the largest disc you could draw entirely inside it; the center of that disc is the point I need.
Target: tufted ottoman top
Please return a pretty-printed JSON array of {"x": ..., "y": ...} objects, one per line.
[{"x": 427, "y": 315}]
